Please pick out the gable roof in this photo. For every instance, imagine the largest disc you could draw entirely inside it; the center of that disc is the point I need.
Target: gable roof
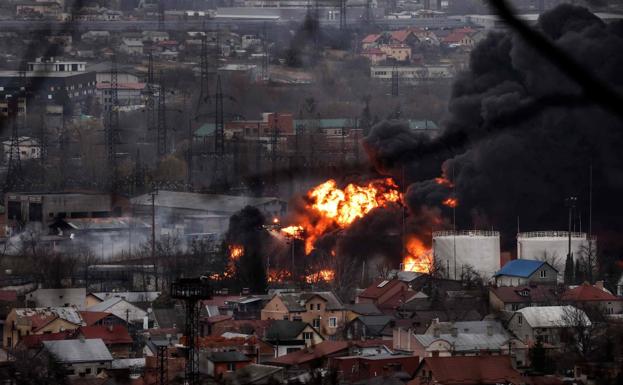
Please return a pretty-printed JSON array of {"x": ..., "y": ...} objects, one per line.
[
  {"x": 401, "y": 35},
  {"x": 106, "y": 304},
  {"x": 323, "y": 349},
  {"x": 523, "y": 268},
  {"x": 466, "y": 341},
  {"x": 535, "y": 293},
  {"x": 42, "y": 316},
  {"x": 472, "y": 370},
  {"x": 374, "y": 323},
  {"x": 75, "y": 351},
  {"x": 379, "y": 287},
  {"x": 588, "y": 292},
  {"x": 370, "y": 38},
  {"x": 114, "y": 334},
  {"x": 552, "y": 316},
  {"x": 295, "y": 302},
  {"x": 364, "y": 309},
  {"x": 92, "y": 317},
  {"x": 283, "y": 330}
]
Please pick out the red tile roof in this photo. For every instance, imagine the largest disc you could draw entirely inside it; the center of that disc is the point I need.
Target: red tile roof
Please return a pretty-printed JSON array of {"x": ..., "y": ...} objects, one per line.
[
  {"x": 35, "y": 340},
  {"x": 375, "y": 290},
  {"x": 92, "y": 317},
  {"x": 111, "y": 335},
  {"x": 401, "y": 35},
  {"x": 454, "y": 37},
  {"x": 588, "y": 292},
  {"x": 471, "y": 370},
  {"x": 322, "y": 350},
  {"x": 370, "y": 38},
  {"x": 510, "y": 294}
]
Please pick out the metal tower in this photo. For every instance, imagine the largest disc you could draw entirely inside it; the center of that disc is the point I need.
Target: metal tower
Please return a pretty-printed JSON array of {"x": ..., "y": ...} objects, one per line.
[
  {"x": 219, "y": 179},
  {"x": 162, "y": 120},
  {"x": 150, "y": 103},
  {"x": 14, "y": 169},
  {"x": 343, "y": 15},
  {"x": 161, "y": 15},
  {"x": 191, "y": 291},
  {"x": 204, "y": 90},
  {"x": 162, "y": 362},
  {"x": 111, "y": 129}
]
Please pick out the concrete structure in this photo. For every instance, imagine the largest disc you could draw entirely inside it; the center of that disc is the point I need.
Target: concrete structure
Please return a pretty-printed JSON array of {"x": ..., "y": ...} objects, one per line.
[
  {"x": 41, "y": 210},
  {"x": 456, "y": 251},
  {"x": 553, "y": 247}
]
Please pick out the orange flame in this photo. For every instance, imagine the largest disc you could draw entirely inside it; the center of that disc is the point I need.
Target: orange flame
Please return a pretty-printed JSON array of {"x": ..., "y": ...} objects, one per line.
[
  {"x": 325, "y": 275},
  {"x": 419, "y": 257},
  {"x": 293, "y": 231},
  {"x": 275, "y": 275},
  {"x": 340, "y": 207},
  {"x": 444, "y": 181},
  {"x": 235, "y": 252},
  {"x": 451, "y": 202}
]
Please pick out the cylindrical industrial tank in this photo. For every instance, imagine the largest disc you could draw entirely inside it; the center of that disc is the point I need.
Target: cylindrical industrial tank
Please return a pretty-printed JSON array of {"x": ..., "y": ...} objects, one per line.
[
  {"x": 552, "y": 247},
  {"x": 454, "y": 251}
]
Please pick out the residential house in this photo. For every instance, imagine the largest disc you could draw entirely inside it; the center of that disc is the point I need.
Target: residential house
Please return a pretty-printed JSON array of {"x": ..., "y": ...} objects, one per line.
[
  {"x": 449, "y": 339},
  {"x": 101, "y": 318},
  {"x": 370, "y": 327},
  {"x": 63, "y": 297},
  {"x": 290, "y": 336},
  {"x": 521, "y": 272},
  {"x": 397, "y": 52},
  {"x": 354, "y": 369},
  {"x": 383, "y": 292},
  {"x": 547, "y": 323},
  {"x": 323, "y": 310},
  {"x": 313, "y": 357},
  {"x": 115, "y": 337},
  {"x": 355, "y": 310},
  {"x": 593, "y": 298},
  {"x": 122, "y": 309},
  {"x": 511, "y": 298},
  {"x": 131, "y": 47},
  {"x": 80, "y": 357},
  {"x": 476, "y": 370},
  {"x": 26, "y": 321},
  {"x": 405, "y": 37},
  {"x": 216, "y": 364}
]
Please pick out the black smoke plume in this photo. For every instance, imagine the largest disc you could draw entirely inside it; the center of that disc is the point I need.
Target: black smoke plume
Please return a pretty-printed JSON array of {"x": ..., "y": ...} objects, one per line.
[{"x": 521, "y": 136}]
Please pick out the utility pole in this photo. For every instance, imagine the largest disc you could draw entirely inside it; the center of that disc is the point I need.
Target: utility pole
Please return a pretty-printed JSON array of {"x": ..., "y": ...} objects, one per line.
[
  {"x": 112, "y": 127},
  {"x": 162, "y": 120},
  {"x": 153, "y": 233},
  {"x": 343, "y": 24},
  {"x": 274, "y": 153},
  {"x": 571, "y": 202}
]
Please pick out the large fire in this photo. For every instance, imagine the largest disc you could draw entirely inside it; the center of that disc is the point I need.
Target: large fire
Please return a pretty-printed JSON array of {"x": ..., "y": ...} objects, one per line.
[
  {"x": 419, "y": 257},
  {"x": 451, "y": 202},
  {"x": 335, "y": 207},
  {"x": 326, "y": 275}
]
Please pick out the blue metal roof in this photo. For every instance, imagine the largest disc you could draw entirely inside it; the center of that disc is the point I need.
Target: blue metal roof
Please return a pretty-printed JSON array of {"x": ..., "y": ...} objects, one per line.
[{"x": 520, "y": 268}]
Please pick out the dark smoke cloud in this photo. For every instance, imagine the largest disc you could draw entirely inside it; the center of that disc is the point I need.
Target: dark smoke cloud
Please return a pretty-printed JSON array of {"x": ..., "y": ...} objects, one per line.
[{"x": 520, "y": 135}]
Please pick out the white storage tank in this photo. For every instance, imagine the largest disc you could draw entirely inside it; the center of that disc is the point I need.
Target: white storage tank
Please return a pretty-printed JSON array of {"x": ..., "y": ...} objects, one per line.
[
  {"x": 552, "y": 247},
  {"x": 454, "y": 251}
]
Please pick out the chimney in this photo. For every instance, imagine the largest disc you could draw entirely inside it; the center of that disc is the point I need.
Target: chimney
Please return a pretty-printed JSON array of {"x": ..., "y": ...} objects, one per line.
[
  {"x": 454, "y": 332},
  {"x": 599, "y": 285}
]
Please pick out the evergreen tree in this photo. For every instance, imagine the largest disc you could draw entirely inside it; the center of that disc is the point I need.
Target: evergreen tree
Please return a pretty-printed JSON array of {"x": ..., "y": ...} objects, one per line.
[{"x": 538, "y": 358}]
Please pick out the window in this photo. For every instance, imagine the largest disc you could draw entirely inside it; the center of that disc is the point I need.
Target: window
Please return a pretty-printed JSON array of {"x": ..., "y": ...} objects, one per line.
[
  {"x": 332, "y": 322},
  {"x": 308, "y": 336},
  {"x": 231, "y": 367},
  {"x": 317, "y": 306},
  {"x": 543, "y": 273},
  {"x": 311, "y": 306},
  {"x": 519, "y": 319},
  {"x": 316, "y": 322}
]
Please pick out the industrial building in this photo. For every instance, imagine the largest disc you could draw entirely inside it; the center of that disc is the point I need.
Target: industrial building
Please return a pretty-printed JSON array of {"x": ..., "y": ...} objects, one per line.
[{"x": 455, "y": 252}]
